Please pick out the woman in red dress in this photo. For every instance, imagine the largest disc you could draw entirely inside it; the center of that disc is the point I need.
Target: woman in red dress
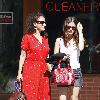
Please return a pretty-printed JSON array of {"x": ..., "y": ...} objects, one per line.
[{"x": 35, "y": 49}]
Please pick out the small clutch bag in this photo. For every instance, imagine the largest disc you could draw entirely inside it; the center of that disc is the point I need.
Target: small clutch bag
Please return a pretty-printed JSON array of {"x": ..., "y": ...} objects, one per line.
[{"x": 18, "y": 94}]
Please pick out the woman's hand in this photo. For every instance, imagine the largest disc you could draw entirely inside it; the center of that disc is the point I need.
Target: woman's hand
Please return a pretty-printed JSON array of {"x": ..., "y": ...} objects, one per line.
[
  {"x": 79, "y": 27},
  {"x": 49, "y": 67},
  {"x": 19, "y": 77},
  {"x": 66, "y": 57}
]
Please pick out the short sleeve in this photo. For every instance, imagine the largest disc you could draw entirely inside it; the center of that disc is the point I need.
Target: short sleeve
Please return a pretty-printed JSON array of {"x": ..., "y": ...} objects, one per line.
[{"x": 24, "y": 43}]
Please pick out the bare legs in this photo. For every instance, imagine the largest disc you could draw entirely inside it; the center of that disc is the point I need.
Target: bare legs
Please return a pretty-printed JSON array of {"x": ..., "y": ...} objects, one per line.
[
  {"x": 62, "y": 97},
  {"x": 75, "y": 93}
]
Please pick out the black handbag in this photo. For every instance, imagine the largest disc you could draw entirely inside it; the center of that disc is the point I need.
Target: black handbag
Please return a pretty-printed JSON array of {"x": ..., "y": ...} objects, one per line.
[{"x": 18, "y": 94}]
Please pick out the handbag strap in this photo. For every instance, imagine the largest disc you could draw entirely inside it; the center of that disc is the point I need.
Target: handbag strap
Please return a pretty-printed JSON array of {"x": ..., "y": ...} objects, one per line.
[
  {"x": 68, "y": 65},
  {"x": 59, "y": 62}
]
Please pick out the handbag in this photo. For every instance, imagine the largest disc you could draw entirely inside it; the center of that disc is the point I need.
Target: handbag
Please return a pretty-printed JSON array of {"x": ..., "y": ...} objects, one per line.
[
  {"x": 18, "y": 94},
  {"x": 63, "y": 76}
]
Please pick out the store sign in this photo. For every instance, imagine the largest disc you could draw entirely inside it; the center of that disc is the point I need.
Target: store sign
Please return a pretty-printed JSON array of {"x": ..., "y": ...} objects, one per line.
[{"x": 6, "y": 17}]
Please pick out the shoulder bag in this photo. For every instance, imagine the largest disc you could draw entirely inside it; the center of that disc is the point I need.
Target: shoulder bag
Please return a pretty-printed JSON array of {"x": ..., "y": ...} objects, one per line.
[{"x": 63, "y": 76}]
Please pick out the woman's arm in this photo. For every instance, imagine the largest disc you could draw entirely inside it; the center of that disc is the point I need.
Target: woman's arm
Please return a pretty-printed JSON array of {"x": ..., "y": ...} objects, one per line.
[
  {"x": 21, "y": 62},
  {"x": 49, "y": 65},
  {"x": 57, "y": 46},
  {"x": 56, "y": 50},
  {"x": 81, "y": 38},
  {"x": 81, "y": 41}
]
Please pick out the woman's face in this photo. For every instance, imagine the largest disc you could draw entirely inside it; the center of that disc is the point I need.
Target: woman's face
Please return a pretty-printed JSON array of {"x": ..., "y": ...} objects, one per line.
[
  {"x": 40, "y": 24},
  {"x": 70, "y": 28}
]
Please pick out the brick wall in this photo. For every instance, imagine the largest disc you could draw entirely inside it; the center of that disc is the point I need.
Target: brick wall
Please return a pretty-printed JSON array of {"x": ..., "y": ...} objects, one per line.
[{"x": 89, "y": 91}]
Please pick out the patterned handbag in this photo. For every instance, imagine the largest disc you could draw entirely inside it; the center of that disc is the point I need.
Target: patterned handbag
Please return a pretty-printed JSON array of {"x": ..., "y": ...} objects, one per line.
[
  {"x": 63, "y": 76},
  {"x": 18, "y": 94}
]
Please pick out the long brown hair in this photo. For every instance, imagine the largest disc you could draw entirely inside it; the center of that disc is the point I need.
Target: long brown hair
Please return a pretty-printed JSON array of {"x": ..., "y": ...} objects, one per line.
[{"x": 75, "y": 35}]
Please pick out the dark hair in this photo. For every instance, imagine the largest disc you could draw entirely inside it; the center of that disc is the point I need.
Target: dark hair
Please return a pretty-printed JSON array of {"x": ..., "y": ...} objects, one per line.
[
  {"x": 29, "y": 24},
  {"x": 75, "y": 35}
]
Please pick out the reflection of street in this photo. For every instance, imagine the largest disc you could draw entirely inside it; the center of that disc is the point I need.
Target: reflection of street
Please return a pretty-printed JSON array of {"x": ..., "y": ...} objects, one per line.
[
  {"x": 90, "y": 59},
  {"x": 94, "y": 54},
  {"x": 8, "y": 76},
  {"x": 97, "y": 48}
]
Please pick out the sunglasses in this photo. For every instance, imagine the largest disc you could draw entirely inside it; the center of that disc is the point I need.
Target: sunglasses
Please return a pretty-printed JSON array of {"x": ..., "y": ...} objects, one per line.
[
  {"x": 68, "y": 27},
  {"x": 41, "y": 22}
]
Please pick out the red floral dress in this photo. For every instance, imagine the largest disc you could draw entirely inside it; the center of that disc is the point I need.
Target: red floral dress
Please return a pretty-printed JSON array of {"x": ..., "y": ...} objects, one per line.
[{"x": 35, "y": 73}]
